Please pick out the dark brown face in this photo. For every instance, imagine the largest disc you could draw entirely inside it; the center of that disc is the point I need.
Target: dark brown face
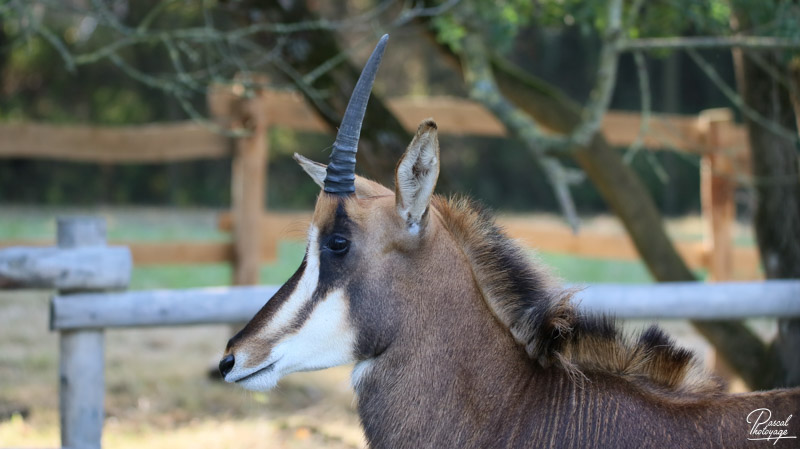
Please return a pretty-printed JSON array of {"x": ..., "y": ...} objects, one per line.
[{"x": 343, "y": 303}]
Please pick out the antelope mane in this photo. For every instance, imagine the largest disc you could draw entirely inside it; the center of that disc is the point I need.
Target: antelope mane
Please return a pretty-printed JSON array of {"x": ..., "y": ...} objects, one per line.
[{"x": 541, "y": 316}]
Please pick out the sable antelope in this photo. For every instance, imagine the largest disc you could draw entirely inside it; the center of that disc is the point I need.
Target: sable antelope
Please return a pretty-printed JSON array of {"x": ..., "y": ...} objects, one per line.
[{"x": 459, "y": 340}]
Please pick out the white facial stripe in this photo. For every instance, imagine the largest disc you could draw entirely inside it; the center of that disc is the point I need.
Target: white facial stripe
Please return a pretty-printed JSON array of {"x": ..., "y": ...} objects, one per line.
[
  {"x": 302, "y": 293},
  {"x": 326, "y": 339},
  {"x": 286, "y": 313}
]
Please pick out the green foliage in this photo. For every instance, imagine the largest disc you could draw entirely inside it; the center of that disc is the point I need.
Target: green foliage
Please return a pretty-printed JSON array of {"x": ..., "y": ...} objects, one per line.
[
  {"x": 664, "y": 18},
  {"x": 587, "y": 15},
  {"x": 449, "y": 31},
  {"x": 500, "y": 21},
  {"x": 118, "y": 107}
]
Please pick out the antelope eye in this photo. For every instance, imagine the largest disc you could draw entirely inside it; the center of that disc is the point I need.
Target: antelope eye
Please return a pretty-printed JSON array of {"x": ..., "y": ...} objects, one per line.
[{"x": 338, "y": 244}]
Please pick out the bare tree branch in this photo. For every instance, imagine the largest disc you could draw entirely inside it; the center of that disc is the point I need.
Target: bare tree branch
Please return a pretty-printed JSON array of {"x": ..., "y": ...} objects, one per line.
[
  {"x": 201, "y": 55},
  {"x": 680, "y": 43},
  {"x": 644, "y": 94},
  {"x": 606, "y": 77},
  {"x": 633, "y": 15},
  {"x": 737, "y": 100},
  {"x": 480, "y": 80}
]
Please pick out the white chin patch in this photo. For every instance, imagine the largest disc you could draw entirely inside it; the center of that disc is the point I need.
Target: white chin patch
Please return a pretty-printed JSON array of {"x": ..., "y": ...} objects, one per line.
[
  {"x": 325, "y": 340},
  {"x": 260, "y": 382}
]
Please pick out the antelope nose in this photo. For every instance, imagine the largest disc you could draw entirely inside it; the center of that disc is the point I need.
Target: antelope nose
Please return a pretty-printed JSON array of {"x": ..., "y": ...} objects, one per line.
[{"x": 226, "y": 365}]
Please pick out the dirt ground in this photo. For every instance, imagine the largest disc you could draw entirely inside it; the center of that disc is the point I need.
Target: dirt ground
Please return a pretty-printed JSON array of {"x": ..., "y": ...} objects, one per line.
[{"x": 158, "y": 394}]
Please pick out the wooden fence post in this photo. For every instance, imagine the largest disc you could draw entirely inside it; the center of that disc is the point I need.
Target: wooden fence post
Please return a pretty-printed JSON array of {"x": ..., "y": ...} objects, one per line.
[
  {"x": 717, "y": 189},
  {"x": 81, "y": 355},
  {"x": 242, "y": 108},
  {"x": 248, "y": 180},
  {"x": 717, "y": 186}
]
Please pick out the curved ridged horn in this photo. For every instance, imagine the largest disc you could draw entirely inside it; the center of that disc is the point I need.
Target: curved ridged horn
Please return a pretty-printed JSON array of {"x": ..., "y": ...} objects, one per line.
[{"x": 341, "y": 173}]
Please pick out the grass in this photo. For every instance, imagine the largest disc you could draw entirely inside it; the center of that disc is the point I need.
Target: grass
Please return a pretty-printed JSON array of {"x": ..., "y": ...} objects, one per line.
[{"x": 584, "y": 270}]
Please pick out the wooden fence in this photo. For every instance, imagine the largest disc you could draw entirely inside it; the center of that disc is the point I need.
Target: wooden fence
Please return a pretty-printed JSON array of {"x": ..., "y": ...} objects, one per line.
[
  {"x": 83, "y": 270},
  {"x": 713, "y": 135}
]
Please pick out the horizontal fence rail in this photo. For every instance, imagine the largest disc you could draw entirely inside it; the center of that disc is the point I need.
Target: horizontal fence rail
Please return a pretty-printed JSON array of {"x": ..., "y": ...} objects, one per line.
[
  {"x": 679, "y": 300},
  {"x": 695, "y": 300},
  {"x": 180, "y": 141},
  {"x": 84, "y": 268},
  {"x": 153, "y": 143},
  {"x": 216, "y": 305}
]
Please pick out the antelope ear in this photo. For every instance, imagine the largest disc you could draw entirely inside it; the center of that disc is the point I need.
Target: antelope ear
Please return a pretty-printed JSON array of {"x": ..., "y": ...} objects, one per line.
[
  {"x": 364, "y": 187},
  {"x": 316, "y": 170},
  {"x": 416, "y": 175}
]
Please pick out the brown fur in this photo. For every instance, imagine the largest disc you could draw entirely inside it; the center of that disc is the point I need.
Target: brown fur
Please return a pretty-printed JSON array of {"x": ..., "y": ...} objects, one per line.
[
  {"x": 453, "y": 374},
  {"x": 542, "y": 318}
]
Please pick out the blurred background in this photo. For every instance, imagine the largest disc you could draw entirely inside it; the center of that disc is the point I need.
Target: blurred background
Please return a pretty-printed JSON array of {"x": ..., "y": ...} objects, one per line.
[{"x": 621, "y": 141}]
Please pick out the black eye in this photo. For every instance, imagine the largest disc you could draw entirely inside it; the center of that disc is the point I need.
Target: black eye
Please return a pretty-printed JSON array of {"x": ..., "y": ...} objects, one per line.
[{"x": 338, "y": 244}]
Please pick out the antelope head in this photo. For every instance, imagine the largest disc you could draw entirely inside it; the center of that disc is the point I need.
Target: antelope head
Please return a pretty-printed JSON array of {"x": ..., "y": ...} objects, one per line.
[{"x": 342, "y": 304}]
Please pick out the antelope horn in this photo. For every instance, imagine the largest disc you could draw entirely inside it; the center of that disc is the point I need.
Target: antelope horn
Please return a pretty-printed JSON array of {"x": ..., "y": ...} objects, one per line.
[{"x": 341, "y": 173}]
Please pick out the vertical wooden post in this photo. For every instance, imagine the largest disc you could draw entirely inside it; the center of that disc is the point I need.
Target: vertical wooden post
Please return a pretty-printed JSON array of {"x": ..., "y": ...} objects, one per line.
[
  {"x": 81, "y": 355},
  {"x": 241, "y": 109},
  {"x": 718, "y": 187},
  {"x": 248, "y": 190}
]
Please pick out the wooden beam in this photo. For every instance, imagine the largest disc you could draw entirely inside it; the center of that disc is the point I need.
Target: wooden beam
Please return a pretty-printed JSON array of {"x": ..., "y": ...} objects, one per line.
[
  {"x": 167, "y": 253},
  {"x": 289, "y": 109},
  {"x": 664, "y": 131},
  {"x": 453, "y": 115},
  {"x": 695, "y": 300},
  {"x": 717, "y": 190},
  {"x": 169, "y": 142},
  {"x": 248, "y": 184},
  {"x": 190, "y": 253},
  {"x": 282, "y": 224},
  {"x": 81, "y": 386},
  {"x": 155, "y": 143},
  {"x": 180, "y": 253},
  {"x": 76, "y": 268},
  {"x": 160, "y": 307},
  {"x": 673, "y": 300}
]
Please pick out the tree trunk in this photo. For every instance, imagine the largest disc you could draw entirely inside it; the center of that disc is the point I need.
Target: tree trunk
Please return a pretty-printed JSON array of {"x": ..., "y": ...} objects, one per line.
[{"x": 777, "y": 186}]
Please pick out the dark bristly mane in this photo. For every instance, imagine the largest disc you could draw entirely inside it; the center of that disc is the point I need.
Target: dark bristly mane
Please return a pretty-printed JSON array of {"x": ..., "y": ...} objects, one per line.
[{"x": 541, "y": 316}]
